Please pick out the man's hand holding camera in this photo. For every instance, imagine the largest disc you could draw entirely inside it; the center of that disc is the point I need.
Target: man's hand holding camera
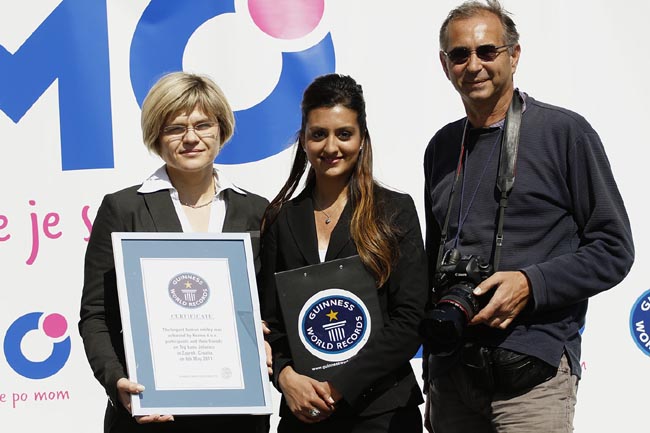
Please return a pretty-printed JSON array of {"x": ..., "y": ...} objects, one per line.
[{"x": 511, "y": 294}]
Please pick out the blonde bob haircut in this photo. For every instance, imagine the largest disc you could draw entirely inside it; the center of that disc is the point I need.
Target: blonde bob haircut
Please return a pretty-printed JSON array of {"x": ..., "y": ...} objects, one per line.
[{"x": 182, "y": 92}]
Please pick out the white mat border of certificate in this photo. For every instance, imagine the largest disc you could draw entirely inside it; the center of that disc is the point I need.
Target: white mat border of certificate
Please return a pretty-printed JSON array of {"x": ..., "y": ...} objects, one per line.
[{"x": 255, "y": 396}]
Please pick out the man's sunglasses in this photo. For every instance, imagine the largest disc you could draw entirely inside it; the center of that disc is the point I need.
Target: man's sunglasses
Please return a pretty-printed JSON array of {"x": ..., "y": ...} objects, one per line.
[{"x": 487, "y": 53}]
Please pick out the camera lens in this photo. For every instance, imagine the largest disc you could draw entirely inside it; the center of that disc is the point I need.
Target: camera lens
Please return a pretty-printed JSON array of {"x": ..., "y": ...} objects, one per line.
[
  {"x": 461, "y": 295},
  {"x": 443, "y": 326}
]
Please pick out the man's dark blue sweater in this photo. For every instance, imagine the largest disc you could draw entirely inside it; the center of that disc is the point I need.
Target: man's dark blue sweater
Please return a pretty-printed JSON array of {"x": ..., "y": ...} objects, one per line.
[{"x": 565, "y": 226}]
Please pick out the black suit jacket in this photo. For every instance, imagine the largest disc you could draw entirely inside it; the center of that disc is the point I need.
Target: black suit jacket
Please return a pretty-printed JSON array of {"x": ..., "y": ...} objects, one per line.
[
  {"x": 379, "y": 378},
  {"x": 129, "y": 211}
]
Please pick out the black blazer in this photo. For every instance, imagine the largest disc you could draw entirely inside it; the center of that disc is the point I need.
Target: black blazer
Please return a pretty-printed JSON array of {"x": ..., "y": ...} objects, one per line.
[
  {"x": 379, "y": 378},
  {"x": 100, "y": 325}
]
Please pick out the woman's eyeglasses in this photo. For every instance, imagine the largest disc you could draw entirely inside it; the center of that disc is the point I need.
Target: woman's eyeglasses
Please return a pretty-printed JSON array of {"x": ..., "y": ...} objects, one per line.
[
  {"x": 487, "y": 53},
  {"x": 203, "y": 130}
]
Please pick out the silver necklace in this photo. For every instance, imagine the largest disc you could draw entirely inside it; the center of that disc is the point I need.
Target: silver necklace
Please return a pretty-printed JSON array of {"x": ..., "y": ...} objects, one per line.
[
  {"x": 196, "y": 206},
  {"x": 199, "y": 206},
  {"x": 328, "y": 219}
]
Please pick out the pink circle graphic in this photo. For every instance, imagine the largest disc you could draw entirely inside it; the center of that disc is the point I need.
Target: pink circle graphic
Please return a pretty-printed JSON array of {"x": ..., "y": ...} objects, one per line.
[
  {"x": 286, "y": 19},
  {"x": 55, "y": 325}
]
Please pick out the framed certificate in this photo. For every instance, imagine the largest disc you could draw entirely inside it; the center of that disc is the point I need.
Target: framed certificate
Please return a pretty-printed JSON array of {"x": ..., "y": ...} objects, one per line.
[{"x": 191, "y": 323}]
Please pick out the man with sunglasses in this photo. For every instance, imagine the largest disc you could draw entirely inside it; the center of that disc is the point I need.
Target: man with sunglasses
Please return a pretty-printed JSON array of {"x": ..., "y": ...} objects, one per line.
[{"x": 566, "y": 236}]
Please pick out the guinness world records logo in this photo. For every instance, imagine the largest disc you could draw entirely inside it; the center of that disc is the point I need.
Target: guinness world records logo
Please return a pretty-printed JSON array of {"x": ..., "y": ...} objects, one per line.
[
  {"x": 334, "y": 325},
  {"x": 640, "y": 322},
  {"x": 188, "y": 290}
]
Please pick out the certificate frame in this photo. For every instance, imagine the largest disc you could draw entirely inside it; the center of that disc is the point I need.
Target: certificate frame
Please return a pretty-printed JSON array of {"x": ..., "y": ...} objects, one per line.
[{"x": 173, "y": 340}]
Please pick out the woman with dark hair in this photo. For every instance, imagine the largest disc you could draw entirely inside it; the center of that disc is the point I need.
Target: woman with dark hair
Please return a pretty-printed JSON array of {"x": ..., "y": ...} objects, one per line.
[{"x": 342, "y": 212}]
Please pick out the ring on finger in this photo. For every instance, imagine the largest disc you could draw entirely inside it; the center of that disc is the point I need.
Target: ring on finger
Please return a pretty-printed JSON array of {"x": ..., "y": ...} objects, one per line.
[{"x": 313, "y": 412}]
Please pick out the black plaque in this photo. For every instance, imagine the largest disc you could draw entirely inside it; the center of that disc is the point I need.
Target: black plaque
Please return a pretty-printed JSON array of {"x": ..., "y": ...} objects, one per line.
[{"x": 330, "y": 313}]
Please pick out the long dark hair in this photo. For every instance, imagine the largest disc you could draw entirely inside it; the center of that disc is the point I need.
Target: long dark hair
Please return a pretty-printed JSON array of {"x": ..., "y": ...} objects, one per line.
[{"x": 370, "y": 229}]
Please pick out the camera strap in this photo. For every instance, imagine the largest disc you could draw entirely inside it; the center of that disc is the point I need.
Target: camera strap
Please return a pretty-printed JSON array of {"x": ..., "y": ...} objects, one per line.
[
  {"x": 505, "y": 179},
  {"x": 507, "y": 166}
]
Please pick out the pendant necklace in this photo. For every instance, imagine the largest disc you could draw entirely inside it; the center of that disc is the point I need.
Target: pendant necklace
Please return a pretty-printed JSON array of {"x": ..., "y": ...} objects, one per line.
[{"x": 328, "y": 219}]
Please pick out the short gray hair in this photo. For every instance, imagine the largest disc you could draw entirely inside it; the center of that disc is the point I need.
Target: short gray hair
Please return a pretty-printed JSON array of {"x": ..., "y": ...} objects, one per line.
[{"x": 473, "y": 8}]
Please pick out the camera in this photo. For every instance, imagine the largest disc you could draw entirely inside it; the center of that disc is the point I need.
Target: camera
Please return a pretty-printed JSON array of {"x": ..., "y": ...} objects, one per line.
[{"x": 457, "y": 276}]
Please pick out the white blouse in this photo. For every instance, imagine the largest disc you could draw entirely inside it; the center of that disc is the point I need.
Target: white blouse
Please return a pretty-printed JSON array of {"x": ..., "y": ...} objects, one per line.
[{"x": 159, "y": 180}]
